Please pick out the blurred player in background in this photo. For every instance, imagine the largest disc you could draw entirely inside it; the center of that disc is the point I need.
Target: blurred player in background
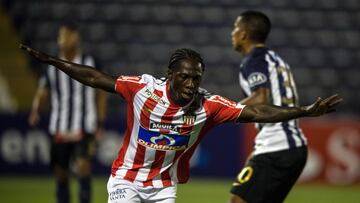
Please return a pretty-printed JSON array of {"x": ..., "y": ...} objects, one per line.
[
  {"x": 166, "y": 120},
  {"x": 76, "y": 119},
  {"x": 280, "y": 151}
]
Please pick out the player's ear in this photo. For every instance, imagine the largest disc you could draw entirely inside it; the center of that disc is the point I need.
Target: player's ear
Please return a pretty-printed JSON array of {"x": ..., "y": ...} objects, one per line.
[
  {"x": 169, "y": 74},
  {"x": 243, "y": 35}
]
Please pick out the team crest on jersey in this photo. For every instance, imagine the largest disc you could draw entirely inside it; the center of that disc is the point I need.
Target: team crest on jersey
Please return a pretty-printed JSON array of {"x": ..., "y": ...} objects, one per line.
[
  {"x": 162, "y": 141},
  {"x": 256, "y": 79},
  {"x": 189, "y": 119}
]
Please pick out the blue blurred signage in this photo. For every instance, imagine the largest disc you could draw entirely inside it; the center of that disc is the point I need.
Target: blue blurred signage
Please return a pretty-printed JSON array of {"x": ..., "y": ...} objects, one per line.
[{"x": 25, "y": 150}]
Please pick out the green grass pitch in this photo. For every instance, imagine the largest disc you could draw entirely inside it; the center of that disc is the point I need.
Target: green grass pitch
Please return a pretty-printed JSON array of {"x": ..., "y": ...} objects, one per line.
[{"x": 41, "y": 190}]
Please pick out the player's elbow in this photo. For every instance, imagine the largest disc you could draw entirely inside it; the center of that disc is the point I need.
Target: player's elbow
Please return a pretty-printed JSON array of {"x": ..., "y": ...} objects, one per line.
[
  {"x": 259, "y": 114},
  {"x": 249, "y": 114}
]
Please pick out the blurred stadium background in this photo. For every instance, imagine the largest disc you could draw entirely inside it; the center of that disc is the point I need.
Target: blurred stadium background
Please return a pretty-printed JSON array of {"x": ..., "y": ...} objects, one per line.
[{"x": 320, "y": 39}]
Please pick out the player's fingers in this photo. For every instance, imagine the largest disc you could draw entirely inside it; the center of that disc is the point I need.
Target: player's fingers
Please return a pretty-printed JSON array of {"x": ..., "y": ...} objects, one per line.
[
  {"x": 22, "y": 46},
  {"x": 332, "y": 97},
  {"x": 313, "y": 109},
  {"x": 331, "y": 101},
  {"x": 335, "y": 102},
  {"x": 26, "y": 48},
  {"x": 317, "y": 102}
]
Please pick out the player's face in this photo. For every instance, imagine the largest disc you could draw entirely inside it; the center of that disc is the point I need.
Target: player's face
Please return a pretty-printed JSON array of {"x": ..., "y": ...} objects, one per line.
[
  {"x": 238, "y": 34},
  {"x": 184, "y": 81},
  {"x": 68, "y": 39}
]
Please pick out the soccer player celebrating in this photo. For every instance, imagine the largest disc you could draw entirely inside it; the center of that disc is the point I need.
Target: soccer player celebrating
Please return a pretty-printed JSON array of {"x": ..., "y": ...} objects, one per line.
[
  {"x": 166, "y": 120},
  {"x": 280, "y": 149},
  {"x": 77, "y": 115}
]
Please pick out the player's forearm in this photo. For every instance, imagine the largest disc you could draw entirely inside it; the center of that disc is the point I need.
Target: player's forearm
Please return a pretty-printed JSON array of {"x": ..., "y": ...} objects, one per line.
[
  {"x": 35, "y": 105},
  {"x": 39, "y": 99},
  {"x": 82, "y": 73},
  {"x": 271, "y": 114}
]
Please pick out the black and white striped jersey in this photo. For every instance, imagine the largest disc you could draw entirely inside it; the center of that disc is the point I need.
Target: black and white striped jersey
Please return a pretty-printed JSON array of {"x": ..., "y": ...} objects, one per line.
[
  {"x": 73, "y": 105},
  {"x": 262, "y": 67}
]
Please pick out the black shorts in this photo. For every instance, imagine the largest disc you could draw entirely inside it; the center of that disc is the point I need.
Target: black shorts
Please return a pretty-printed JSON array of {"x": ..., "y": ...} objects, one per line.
[
  {"x": 269, "y": 177},
  {"x": 63, "y": 153}
]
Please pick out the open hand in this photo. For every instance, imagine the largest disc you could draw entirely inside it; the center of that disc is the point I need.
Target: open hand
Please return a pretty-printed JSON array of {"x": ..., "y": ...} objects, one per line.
[
  {"x": 35, "y": 53},
  {"x": 323, "y": 106}
]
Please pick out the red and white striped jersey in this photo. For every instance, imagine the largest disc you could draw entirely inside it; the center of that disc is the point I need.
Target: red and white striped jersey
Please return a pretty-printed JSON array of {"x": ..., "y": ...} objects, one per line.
[{"x": 160, "y": 139}]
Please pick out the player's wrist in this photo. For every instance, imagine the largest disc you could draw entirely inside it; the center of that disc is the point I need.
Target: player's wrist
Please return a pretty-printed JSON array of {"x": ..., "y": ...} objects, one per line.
[{"x": 303, "y": 111}]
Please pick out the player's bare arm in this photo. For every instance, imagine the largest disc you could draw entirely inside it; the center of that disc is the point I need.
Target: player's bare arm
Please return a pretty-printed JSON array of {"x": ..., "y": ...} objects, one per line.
[
  {"x": 82, "y": 73},
  {"x": 38, "y": 102},
  {"x": 269, "y": 113}
]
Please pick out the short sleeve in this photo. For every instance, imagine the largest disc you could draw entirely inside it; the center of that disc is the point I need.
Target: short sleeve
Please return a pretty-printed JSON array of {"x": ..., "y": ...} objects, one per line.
[
  {"x": 127, "y": 86},
  {"x": 223, "y": 110},
  {"x": 256, "y": 73}
]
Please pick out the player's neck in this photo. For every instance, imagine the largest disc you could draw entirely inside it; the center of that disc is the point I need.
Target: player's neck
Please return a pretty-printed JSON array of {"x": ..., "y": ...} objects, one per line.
[
  {"x": 69, "y": 55},
  {"x": 250, "y": 46}
]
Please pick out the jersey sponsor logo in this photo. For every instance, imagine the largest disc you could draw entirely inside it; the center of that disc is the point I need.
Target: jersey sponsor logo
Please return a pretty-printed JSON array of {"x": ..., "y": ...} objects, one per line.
[
  {"x": 118, "y": 194},
  {"x": 155, "y": 97},
  {"x": 162, "y": 141},
  {"x": 165, "y": 126},
  {"x": 224, "y": 101},
  {"x": 256, "y": 78}
]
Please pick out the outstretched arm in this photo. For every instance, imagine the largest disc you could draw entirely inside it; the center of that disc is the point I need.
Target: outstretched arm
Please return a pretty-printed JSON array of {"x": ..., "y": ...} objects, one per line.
[
  {"x": 271, "y": 114},
  {"x": 82, "y": 73}
]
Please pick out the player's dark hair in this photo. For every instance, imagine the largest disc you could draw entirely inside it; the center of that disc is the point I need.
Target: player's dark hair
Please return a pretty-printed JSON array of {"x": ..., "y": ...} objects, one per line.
[
  {"x": 257, "y": 24},
  {"x": 185, "y": 54},
  {"x": 71, "y": 25}
]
